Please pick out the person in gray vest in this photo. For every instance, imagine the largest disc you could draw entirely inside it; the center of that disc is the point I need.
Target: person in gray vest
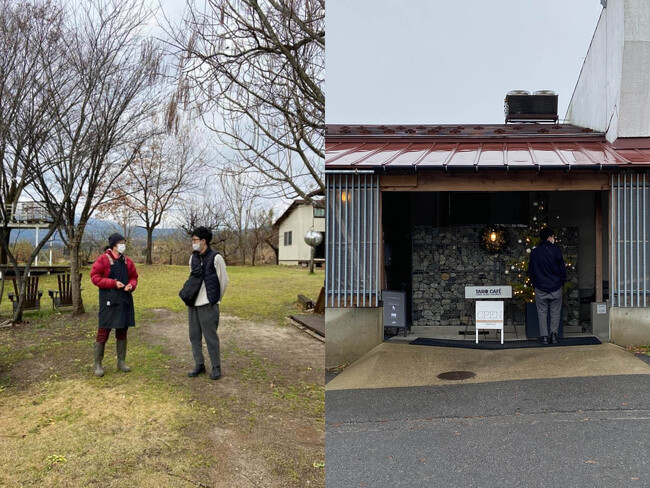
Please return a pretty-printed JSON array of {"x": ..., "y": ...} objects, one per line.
[
  {"x": 548, "y": 274},
  {"x": 204, "y": 314}
]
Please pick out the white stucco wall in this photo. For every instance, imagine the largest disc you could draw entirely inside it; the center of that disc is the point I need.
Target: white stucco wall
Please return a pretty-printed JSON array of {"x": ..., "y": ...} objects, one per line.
[
  {"x": 299, "y": 222},
  {"x": 595, "y": 98},
  {"x": 613, "y": 91}
]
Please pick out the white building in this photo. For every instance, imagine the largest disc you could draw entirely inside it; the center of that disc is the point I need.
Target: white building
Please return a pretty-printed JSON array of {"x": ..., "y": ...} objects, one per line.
[{"x": 292, "y": 225}]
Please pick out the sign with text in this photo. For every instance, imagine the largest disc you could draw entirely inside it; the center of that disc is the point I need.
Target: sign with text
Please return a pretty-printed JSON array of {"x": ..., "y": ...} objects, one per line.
[
  {"x": 488, "y": 291},
  {"x": 394, "y": 308},
  {"x": 489, "y": 315}
]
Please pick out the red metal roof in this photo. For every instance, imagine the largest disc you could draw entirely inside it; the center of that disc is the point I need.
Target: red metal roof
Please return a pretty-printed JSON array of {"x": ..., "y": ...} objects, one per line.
[{"x": 498, "y": 146}]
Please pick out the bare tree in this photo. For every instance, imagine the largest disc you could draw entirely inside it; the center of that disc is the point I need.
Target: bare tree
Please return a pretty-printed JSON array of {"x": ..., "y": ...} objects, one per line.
[
  {"x": 92, "y": 244},
  {"x": 121, "y": 214},
  {"x": 240, "y": 202},
  {"x": 31, "y": 36},
  {"x": 256, "y": 68},
  {"x": 205, "y": 210},
  {"x": 273, "y": 241},
  {"x": 163, "y": 170},
  {"x": 173, "y": 247},
  {"x": 261, "y": 228},
  {"x": 99, "y": 130}
]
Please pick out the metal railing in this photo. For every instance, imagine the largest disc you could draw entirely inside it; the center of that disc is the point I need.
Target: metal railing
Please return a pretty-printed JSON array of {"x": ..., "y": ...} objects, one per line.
[
  {"x": 26, "y": 212},
  {"x": 352, "y": 233},
  {"x": 629, "y": 276}
]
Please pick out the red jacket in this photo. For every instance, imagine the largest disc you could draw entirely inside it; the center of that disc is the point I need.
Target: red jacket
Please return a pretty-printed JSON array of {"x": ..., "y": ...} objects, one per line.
[{"x": 102, "y": 268}]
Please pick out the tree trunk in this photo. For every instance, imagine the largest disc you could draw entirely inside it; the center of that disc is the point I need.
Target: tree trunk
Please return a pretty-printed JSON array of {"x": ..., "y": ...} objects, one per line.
[
  {"x": 6, "y": 231},
  {"x": 149, "y": 259},
  {"x": 253, "y": 255},
  {"x": 2, "y": 287},
  {"x": 276, "y": 251},
  {"x": 75, "y": 282},
  {"x": 18, "y": 313}
]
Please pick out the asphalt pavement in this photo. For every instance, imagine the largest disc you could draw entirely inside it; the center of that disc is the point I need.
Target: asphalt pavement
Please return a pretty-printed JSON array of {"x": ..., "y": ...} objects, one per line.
[{"x": 556, "y": 432}]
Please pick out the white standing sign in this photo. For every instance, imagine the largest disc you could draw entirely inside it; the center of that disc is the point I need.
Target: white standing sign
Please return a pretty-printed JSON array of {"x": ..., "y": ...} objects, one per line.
[{"x": 489, "y": 315}]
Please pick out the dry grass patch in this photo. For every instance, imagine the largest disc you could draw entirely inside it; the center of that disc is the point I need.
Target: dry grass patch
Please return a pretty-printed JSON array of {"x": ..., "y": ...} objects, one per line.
[{"x": 83, "y": 433}]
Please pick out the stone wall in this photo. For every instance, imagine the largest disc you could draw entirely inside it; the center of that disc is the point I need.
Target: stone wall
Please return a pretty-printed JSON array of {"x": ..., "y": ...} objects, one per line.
[{"x": 445, "y": 260}]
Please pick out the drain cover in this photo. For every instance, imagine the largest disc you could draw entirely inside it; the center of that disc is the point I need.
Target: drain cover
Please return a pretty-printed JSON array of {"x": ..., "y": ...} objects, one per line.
[{"x": 456, "y": 375}]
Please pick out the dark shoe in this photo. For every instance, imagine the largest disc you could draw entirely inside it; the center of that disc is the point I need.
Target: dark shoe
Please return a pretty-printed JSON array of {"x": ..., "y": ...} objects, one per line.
[
  {"x": 545, "y": 340},
  {"x": 98, "y": 350},
  {"x": 553, "y": 338},
  {"x": 198, "y": 369},
  {"x": 121, "y": 356},
  {"x": 216, "y": 373}
]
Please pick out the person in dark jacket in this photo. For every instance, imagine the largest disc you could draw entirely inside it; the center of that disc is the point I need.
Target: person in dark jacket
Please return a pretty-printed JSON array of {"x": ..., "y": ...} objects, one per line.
[
  {"x": 116, "y": 277},
  {"x": 204, "y": 314},
  {"x": 547, "y": 272}
]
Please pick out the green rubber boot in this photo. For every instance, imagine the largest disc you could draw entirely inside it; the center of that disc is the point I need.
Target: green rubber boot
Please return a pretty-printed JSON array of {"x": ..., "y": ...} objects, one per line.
[
  {"x": 121, "y": 356},
  {"x": 99, "y": 356}
]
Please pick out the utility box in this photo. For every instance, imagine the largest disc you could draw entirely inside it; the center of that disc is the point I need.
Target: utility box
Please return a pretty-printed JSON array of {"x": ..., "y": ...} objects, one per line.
[{"x": 600, "y": 319}]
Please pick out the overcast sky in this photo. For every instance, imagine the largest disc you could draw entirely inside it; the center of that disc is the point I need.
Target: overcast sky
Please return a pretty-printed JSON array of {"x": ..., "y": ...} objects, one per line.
[{"x": 448, "y": 62}]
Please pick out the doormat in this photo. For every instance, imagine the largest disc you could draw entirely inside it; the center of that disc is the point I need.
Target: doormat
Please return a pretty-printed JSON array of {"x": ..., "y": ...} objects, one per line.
[{"x": 569, "y": 341}]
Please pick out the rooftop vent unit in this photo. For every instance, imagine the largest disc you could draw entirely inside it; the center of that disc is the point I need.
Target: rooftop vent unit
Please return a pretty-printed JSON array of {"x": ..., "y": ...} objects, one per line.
[{"x": 521, "y": 106}]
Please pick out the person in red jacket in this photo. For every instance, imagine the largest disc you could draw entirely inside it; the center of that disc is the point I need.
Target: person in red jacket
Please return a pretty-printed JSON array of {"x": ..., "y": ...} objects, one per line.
[{"x": 116, "y": 277}]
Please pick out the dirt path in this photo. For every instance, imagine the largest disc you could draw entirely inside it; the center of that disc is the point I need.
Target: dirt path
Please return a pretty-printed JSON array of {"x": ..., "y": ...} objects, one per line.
[{"x": 271, "y": 431}]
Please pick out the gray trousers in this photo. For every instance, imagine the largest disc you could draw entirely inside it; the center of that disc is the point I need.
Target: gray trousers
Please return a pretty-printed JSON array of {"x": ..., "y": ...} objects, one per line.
[
  {"x": 204, "y": 321},
  {"x": 548, "y": 303}
]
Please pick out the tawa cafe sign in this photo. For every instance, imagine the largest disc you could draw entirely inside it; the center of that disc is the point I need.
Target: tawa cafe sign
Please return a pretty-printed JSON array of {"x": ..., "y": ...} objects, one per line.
[
  {"x": 489, "y": 310},
  {"x": 488, "y": 292}
]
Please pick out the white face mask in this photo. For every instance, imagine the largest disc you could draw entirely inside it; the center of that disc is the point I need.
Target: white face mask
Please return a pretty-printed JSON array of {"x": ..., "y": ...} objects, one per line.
[
  {"x": 196, "y": 246},
  {"x": 121, "y": 248}
]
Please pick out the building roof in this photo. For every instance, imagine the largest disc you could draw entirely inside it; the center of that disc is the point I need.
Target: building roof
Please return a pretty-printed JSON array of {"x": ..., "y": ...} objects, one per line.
[
  {"x": 517, "y": 146},
  {"x": 295, "y": 204}
]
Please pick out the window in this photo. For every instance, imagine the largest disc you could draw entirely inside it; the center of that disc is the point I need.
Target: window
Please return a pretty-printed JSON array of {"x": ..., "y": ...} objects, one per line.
[
  {"x": 319, "y": 212},
  {"x": 287, "y": 238}
]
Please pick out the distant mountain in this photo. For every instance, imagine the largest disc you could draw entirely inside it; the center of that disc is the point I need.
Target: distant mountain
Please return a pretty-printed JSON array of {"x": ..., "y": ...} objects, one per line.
[{"x": 94, "y": 226}]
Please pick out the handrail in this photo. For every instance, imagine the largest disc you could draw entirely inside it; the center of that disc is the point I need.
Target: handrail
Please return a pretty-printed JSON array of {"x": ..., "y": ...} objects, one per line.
[{"x": 26, "y": 212}]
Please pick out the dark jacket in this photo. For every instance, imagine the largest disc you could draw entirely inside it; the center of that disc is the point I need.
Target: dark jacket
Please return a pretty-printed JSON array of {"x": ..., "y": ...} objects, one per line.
[
  {"x": 546, "y": 267},
  {"x": 212, "y": 286}
]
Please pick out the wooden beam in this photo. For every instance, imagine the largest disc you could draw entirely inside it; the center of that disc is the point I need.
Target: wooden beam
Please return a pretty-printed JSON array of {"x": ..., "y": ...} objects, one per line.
[
  {"x": 498, "y": 181},
  {"x": 599, "y": 247},
  {"x": 398, "y": 181}
]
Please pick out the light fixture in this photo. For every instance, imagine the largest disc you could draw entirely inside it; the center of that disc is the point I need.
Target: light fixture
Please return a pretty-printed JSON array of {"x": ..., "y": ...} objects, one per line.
[{"x": 494, "y": 239}]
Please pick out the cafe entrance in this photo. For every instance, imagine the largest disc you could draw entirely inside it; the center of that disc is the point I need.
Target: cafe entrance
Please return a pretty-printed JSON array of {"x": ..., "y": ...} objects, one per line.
[{"x": 437, "y": 243}]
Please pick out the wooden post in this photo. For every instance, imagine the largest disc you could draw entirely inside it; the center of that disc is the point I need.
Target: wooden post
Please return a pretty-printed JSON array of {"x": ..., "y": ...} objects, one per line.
[
  {"x": 612, "y": 269},
  {"x": 599, "y": 247}
]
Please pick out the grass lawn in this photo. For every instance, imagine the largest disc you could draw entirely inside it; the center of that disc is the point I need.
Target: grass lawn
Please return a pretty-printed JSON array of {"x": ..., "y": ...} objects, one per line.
[
  {"x": 261, "y": 425},
  {"x": 255, "y": 293}
]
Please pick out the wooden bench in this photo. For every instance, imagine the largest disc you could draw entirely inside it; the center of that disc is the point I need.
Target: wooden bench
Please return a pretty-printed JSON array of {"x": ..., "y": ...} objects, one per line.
[
  {"x": 32, "y": 295},
  {"x": 62, "y": 297},
  {"x": 305, "y": 303}
]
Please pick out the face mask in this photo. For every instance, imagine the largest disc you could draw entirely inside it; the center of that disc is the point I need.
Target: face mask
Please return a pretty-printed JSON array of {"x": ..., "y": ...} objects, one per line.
[
  {"x": 196, "y": 246},
  {"x": 121, "y": 248}
]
